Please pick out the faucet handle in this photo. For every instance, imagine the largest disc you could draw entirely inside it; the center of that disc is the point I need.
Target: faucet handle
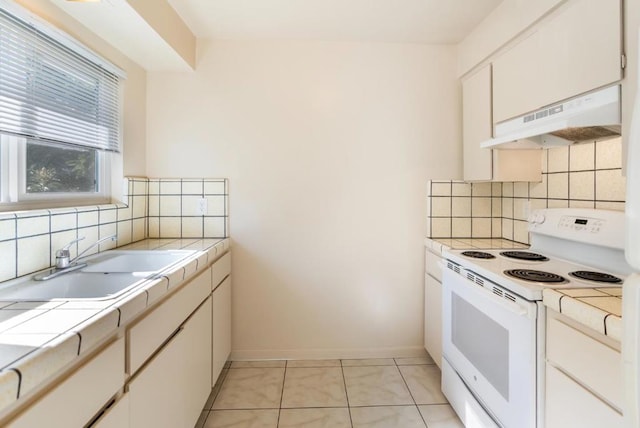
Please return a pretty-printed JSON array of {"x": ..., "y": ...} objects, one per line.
[
  {"x": 63, "y": 255},
  {"x": 66, "y": 247}
]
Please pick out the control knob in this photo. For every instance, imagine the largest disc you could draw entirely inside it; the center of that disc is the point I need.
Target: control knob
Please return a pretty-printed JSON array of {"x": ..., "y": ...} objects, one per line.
[{"x": 536, "y": 218}]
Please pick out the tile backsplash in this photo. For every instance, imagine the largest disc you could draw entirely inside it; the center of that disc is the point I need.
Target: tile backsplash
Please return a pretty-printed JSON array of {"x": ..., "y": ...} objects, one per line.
[
  {"x": 155, "y": 208},
  {"x": 174, "y": 208},
  {"x": 586, "y": 175}
]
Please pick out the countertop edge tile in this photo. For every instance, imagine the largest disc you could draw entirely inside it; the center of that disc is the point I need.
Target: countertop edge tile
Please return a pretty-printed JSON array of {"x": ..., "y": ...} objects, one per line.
[
  {"x": 614, "y": 327},
  {"x": 131, "y": 305},
  {"x": 9, "y": 385},
  {"x": 46, "y": 361},
  {"x": 96, "y": 328},
  {"x": 156, "y": 289},
  {"x": 587, "y": 314},
  {"x": 551, "y": 298}
]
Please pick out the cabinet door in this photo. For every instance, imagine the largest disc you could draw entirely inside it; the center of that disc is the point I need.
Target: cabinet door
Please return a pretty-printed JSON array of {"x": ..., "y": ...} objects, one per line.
[
  {"x": 171, "y": 390},
  {"x": 477, "y": 125},
  {"x": 433, "y": 318},
  {"x": 577, "y": 50},
  {"x": 567, "y": 404},
  {"x": 221, "y": 327}
]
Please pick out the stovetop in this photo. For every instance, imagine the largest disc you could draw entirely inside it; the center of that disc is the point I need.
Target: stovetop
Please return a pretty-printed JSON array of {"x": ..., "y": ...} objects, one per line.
[
  {"x": 563, "y": 241},
  {"x": 494, "y": 269}
]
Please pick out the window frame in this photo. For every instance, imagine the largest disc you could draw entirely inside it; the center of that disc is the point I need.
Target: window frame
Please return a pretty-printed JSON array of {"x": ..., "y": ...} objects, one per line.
[{"x": 13, "y": 195}]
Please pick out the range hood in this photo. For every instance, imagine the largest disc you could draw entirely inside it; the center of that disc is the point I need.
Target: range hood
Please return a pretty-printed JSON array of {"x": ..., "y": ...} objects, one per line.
[{"x": 588, "y": 117}]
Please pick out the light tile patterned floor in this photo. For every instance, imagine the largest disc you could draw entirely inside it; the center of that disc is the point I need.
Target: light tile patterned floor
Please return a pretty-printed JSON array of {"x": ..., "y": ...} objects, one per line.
[{"x": 371, "y": 393}]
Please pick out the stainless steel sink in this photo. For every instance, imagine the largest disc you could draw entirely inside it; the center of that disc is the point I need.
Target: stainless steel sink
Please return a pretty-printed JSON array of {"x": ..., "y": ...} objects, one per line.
[{"x": 106, "y": 276}]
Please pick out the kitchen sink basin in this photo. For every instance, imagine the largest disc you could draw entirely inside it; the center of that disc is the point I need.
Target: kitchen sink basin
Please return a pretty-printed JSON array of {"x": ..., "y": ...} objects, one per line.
[
  {"x": 73, "y": 285},
  {"x": 140, "y": 262},
  {"x": 105, "y": 276}
]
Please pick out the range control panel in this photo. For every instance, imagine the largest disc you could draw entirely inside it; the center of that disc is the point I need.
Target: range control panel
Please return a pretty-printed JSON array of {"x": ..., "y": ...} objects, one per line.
[
  {"x": 596, "y": 227},
  {"x": 581, "y": 224}
]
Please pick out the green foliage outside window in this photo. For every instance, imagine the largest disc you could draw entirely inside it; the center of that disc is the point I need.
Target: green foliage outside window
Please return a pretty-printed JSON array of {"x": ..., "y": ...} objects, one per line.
[{"x": 54, "y": 168}]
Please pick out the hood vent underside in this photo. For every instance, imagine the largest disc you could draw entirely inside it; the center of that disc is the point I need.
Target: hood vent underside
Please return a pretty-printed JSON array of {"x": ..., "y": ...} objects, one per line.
[
  {"x": 587, "y": 133},
  {"x": 589, "y": 117}
]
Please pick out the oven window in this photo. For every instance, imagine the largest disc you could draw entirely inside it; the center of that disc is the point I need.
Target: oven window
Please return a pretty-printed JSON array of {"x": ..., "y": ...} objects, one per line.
[{"x": 482, "y": 341}]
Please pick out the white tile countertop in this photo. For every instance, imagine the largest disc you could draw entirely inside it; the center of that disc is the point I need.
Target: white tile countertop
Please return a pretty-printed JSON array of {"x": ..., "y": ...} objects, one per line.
[
  {"x": 38, "y": 339},
  {"x": 436, "y": 245},
  {"x": 597, "y": 308}
]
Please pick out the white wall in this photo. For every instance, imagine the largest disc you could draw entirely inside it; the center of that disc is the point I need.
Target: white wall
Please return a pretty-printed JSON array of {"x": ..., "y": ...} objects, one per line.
[{"x": 328, "y": 148}]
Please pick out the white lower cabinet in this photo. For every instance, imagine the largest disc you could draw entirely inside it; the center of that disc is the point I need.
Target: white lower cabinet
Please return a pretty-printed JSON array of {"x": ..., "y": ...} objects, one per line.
[
  {"x": 583, "y": 376},
  {"x": 171, "y": 390},
  {"x": 76, "y": 400},
  {"x": 433, "y": 306},
  {"x": 433, "y": 318},
  {"x": 221, "y": 302},
  {"x": 569, "y": 404}
]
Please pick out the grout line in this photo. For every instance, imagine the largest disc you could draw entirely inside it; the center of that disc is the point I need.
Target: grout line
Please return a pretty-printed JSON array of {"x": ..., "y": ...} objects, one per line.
[
  {"x": 284, "y": 378},
  {"x": 346, "y": 393},
  {"x": 410, "y": 393}
]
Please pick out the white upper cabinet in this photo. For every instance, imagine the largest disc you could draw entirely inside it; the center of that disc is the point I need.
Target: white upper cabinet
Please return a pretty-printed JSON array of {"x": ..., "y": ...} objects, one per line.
[
  {"x": 476, "y": 125},
  {"x": 576, "y": 50},
  {"x": 485, "y": 164}
]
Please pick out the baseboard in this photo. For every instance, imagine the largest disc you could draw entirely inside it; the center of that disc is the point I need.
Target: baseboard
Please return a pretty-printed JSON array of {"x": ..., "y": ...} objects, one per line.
[{"x": 326, "y": 354}]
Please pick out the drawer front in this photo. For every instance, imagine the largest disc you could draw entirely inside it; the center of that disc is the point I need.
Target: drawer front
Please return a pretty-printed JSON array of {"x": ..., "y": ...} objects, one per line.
[
  {"x": 568, "y": 404},
  {"x": 152, "y": 331},
  {"x": 432, "y": 267},
  {"x": 220, "y": 269},
  {"x": 77, "y": 399},
  {"x": 594, "y": 364}
]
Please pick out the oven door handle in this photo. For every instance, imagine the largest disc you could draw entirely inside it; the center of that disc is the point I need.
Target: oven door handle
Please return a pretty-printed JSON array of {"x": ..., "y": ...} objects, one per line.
[{"x": 514, "y": 308}]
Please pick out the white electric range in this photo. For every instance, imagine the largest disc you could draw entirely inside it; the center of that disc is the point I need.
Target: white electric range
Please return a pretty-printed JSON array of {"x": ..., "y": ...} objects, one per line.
[{"x": 494, "y": 319}]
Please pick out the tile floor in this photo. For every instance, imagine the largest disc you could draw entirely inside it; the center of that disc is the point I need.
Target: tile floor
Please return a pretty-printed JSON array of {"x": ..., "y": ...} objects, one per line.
[{"x": 374, "y": 393}]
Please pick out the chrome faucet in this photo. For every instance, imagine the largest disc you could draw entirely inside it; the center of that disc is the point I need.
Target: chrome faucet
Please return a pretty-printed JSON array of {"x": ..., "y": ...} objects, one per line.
[{"x": 64, "y": 262}]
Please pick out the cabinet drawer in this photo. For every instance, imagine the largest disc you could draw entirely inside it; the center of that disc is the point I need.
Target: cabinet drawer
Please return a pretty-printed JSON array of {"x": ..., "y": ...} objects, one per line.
[
  {"x": 432, "y": 267},
  {"x": 220, "y": 269},
  {"x": 592, "y": 363},
  {"x": 78, "y": 398},
  {"x": 153, "y": 330},
  {"x": 568, "y": 404}
]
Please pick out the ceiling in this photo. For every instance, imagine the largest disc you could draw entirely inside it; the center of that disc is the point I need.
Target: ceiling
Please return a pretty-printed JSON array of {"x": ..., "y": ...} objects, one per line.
[{"x": 394, "y": 21}]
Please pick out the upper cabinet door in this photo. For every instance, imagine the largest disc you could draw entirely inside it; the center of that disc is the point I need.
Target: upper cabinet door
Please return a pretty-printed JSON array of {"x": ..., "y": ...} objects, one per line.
[
  {"x": 477, "y": 125},
  {"x": 579, "y": 49}
]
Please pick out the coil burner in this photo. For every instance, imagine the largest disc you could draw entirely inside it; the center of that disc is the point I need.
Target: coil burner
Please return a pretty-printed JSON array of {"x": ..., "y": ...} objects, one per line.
[
  {"x": 478, "y": 255},
  {"x": 596, "y": 276},
  {"x": 535, "y": 276},
  {"x": 524, "y": 255}
]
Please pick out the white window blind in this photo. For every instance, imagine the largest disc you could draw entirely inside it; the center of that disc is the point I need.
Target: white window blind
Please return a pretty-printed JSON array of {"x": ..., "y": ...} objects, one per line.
[{"x": 50, "y": 92}]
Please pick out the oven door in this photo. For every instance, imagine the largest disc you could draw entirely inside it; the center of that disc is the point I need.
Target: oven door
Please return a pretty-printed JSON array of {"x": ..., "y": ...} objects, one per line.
[{"x": 490, "y": 342}]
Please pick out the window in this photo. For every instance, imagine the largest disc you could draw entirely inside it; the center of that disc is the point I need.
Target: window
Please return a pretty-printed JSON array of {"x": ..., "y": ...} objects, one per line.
[{"x": 59, "y": 115}]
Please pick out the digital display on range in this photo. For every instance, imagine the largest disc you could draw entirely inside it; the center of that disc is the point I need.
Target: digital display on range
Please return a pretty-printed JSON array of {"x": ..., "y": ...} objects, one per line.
[{"x": 581, "y": 221}]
